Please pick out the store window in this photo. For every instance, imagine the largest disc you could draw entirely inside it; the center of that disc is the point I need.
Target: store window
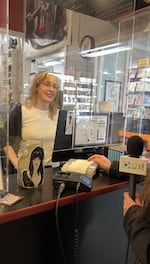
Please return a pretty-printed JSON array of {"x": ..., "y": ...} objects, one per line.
[{"x": 137, "y": 77}]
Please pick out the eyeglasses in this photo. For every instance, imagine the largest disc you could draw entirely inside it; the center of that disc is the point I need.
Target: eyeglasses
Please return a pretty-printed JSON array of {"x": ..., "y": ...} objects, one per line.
[{"x": 49, "y": 84}]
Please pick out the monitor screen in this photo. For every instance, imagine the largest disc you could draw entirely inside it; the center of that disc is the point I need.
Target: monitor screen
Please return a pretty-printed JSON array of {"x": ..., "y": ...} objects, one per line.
[
  {"x": 63, "y": 138},
  {"x": 79, "y": 135},
  {"x": 63, "y": 147},
  {"x": 90, "y": 129}
]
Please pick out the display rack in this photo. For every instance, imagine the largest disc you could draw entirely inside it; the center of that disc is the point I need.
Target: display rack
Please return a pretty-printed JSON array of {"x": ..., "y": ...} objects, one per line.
[
  {"x": 11, "y": 74},
  {"x": 69, "y": 93},
  {"x": 15, "y": 73},
  {"x": 79, "y": 94},
  {"x": 10, "y": 80},
  {"x": 138, "y": 101},
  {"x": 139, "y": 90}
]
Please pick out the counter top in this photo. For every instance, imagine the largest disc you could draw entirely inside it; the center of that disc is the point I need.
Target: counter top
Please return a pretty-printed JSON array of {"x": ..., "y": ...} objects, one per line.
[{"x": 44, "y": 198}]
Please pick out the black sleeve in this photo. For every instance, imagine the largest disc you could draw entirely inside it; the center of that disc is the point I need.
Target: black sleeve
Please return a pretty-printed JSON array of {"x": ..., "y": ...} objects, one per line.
[
  {"x": 138, "y": 233},
  {"x": 15, "y": 121},
  {"x": 14, "y": 137},
  {"x": 15, "y": 125},
  {"x": 114, "y": 171}
]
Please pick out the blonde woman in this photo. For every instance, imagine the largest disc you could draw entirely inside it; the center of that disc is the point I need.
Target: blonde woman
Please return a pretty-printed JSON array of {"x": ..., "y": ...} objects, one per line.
[{"x": 36, "y": 119}]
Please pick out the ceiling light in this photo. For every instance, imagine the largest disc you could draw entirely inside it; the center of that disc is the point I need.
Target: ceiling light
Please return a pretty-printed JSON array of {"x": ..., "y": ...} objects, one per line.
[
  {"x": 146, "y": 79},
  {"x": 52, "y": 63},
  {"x": 119, "y": 72},
  {"x": 105, "y": 72},
  {"x": 92, "y": 54},
  {"x": 99, "y": 48}
]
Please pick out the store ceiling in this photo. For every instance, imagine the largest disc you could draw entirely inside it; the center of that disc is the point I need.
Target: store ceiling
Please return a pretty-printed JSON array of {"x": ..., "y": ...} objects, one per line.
[
  {"x": 104, "y": 9},
  {"x": 109, "y": 10}
]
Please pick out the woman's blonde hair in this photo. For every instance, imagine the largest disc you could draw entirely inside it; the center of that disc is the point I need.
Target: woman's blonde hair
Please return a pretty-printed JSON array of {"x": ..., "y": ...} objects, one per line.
[{"x": 32, "y": 98}]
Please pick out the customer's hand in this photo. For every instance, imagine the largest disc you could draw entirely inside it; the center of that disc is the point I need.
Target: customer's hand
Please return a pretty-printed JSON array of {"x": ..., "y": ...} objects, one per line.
[
  {"x": 128, "y": 201},
  {"x": 102, "y": 161},
  {"x": 148, "y": 146}
]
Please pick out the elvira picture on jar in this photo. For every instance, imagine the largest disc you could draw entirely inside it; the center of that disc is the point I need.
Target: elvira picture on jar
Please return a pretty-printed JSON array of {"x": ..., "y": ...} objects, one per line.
[{"x": 32, "y": 175}]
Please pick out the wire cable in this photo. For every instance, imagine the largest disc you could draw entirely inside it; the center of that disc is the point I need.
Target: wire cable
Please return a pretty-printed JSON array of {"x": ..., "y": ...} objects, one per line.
[{"x": 60, "y": 190}]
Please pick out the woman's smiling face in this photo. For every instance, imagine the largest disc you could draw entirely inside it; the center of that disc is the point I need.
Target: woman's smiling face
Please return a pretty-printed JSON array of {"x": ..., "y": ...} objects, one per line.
[{"x": 48, "y": 89}]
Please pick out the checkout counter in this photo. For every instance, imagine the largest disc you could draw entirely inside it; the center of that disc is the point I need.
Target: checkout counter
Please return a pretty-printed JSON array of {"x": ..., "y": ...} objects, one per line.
[{"x": 28, "y": 231}]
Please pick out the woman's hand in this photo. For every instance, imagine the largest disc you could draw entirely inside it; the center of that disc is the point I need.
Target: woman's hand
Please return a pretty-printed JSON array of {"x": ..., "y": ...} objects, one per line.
[
  {"x": 102, "y": 161},
  {"x": 128, "y": 201}
]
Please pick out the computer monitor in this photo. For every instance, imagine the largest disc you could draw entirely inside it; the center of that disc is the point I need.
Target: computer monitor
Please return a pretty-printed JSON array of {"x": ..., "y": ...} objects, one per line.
[
  {"x": 63, "y": 140},
  {"x": 90, "y": 129},
  {"x": 79, "y": 135}
]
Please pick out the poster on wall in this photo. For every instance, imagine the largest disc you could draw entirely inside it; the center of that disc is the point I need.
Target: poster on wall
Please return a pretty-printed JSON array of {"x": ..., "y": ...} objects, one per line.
[
  {"x": 46, "y": 25},
  {"x": 112, "y": 93}
]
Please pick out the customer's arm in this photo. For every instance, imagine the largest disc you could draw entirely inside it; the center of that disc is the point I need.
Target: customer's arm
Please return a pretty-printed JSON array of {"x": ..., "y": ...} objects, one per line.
[
  {"x": 111, "y": 168},
  {"x": 137, "y": 229}
]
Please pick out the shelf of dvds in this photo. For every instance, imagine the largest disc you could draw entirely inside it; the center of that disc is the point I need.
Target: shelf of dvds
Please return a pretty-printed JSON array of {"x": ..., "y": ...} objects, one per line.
[
  {"x": 10, "y": 81},
  {"x": 138, "y": 101},
  {"x": 79, "y": 94}
]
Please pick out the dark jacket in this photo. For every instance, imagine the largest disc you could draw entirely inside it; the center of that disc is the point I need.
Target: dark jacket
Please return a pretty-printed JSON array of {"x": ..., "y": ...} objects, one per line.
[
  {"x": 15, "y": 127},
  {"x": 14, "y": 136},
  {"x": 114, "y": 171},
  {"x": 138, "y": 233},
  {"x": 116, "y": 174}
]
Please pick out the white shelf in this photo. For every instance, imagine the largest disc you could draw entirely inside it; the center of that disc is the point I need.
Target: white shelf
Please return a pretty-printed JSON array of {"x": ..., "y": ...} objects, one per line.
[
  {"x": 80, "y": 93},
  {"x": 139, "y": 94}
]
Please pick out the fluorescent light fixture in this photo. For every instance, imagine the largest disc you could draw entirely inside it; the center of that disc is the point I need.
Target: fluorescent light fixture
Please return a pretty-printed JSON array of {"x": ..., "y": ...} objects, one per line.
[
  {"x": 119, "y": 72},
  {"x": 91, "y": 53},
  {"x": 99, "y": 48},
  {"x": 105, "y": 72},
  {"x": 52, "y": 63},
  {"x": 146, "y": 79}
]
